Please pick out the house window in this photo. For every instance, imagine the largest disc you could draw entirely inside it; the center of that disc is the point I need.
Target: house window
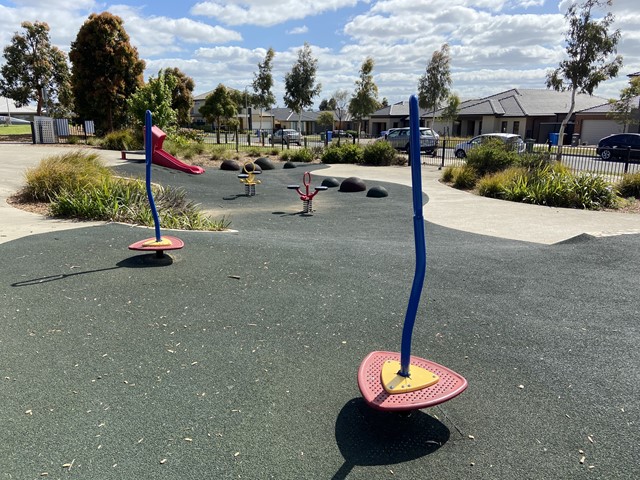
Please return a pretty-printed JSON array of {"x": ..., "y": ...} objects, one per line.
[
  {"x": 503, "y": 129},
  {"x": 516, "y": 127}
]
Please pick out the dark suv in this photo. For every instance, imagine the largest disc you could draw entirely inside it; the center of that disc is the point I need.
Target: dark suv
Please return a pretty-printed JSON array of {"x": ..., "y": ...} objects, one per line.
[{"x": 619, "y": 145}]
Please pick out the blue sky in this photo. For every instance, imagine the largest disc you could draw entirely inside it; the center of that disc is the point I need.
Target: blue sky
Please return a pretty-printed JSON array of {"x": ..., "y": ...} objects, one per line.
[{"x": 495, "y": 44}]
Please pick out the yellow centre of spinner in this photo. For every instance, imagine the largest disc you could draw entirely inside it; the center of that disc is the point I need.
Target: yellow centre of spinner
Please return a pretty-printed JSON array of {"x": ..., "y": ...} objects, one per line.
[{"x": 394, "y": 383}]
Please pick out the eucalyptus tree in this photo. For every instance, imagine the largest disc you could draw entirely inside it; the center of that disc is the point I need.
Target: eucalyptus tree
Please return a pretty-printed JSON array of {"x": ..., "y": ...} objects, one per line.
[
  {"x": 591, "y": 59},
  {"x": 300, "y": 83},
  {"x": 36, "y": 71},
  {"x": 435, "y": 84},
  {"x": 365, "y": 97},
  {"x": 263, "y": 85}
]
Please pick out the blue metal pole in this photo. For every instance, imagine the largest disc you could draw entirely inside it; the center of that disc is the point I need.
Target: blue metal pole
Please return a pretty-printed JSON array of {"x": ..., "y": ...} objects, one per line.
[
  {"x": 148, "y": 145},
  {"x": 419, "y": 236}
]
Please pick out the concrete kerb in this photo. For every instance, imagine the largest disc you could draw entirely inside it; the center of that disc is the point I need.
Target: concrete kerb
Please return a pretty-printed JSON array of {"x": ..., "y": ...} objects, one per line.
[{"x": 467, "y": 212}]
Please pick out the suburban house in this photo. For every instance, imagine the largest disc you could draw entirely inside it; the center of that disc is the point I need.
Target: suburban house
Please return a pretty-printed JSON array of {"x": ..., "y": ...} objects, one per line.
[
  {"x": 249, "y": 118},
  {"x": 595, "y": 123},
  {"x": 530, "y": 113},
  {"x": 8, "y": 109},
  {"x": 391, "y": 116}
]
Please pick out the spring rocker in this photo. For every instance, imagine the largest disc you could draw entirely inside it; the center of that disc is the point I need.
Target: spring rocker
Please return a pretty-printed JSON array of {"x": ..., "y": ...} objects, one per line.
[
  {"x": 248, "y": 178},
  {"x": 159, "y": 243},
  {"x": 306, "y": 197},
  {"x": 400, "y": 382}
]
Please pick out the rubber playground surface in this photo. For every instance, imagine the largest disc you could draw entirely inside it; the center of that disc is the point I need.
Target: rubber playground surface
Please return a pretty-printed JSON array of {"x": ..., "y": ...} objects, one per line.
[{"x": 237, "y": 356}]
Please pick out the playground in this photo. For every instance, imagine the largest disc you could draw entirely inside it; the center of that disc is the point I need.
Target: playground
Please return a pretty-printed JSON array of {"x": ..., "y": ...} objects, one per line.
[{"x": 237, "y": 356}]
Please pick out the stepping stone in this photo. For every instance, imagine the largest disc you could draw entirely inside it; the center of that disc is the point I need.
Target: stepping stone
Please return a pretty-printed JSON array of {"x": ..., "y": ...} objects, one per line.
[
  {"x": 231, "y": 165},
  {"x": 330, "y": 182},
  {"x": 353, "y": 184},
  {"x": 264, "y": 163},
  {"x": 377, "y": 192}
]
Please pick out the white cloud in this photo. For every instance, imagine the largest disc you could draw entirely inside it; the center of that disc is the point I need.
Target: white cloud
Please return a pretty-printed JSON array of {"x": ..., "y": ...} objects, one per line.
[
  {"x": 265, "y": 12},
  {"x": 298, "y": 30}
]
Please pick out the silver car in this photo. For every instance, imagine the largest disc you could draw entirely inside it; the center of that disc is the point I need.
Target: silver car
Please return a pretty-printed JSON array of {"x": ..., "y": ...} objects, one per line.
[
  {"x": 510, "y": 139},
  {"x": 399, "y": 139},
  {"x": 287, "y": 136}
]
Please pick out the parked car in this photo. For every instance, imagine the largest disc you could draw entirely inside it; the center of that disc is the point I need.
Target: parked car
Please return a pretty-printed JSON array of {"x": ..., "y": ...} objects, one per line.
[
  {"x": 341, "y": 134},
  {"x": 399, "y": 139},
  {"x": 510, "y": 139},
  {"x": 619, "y": 145},
  {"x": 287, "y": 136}
]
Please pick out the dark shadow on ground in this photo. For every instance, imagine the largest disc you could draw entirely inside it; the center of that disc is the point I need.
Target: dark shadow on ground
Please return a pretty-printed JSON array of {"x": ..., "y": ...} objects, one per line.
[
  {"x": 137, "y": 261},
  {"x": 369, "y": 437}
]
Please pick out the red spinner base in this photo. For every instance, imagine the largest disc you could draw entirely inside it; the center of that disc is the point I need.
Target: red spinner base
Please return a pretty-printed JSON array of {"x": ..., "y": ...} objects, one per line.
[
  {"x": 150, "y": 245},
  {"x": 448, "y": 386}
]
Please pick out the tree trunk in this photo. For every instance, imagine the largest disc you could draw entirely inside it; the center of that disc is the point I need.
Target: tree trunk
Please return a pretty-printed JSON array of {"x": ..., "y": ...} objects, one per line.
[{"x": 564, "y": 124}]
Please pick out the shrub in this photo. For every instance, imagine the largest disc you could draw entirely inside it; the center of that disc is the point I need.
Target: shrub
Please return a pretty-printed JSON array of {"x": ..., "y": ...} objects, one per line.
[
  {"x": 464, "y": 177},
  {"x": 332, "y": 154},
  {"x": 629, "y": 186},
  {"x": 495, "y": 185},
  {"x": 491, "y": 156},
  {"x": 352, "y": 153},
  {"x": 380, "y": 154},
  {"x": 302, "y": 155},
  {"x": 122, "y": 140},
  {"x": 447, "y": 174},
  {"x": 555, "y": 186},
  {"x": 69, "y": 171}
]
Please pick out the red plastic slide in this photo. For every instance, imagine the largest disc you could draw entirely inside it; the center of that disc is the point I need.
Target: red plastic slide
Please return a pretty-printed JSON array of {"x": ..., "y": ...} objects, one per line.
[{"x": 165, "y": 159}]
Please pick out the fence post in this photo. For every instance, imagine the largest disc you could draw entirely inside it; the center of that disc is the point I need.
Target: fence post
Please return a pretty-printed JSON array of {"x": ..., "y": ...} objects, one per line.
[
  {"x": 237, "y": 140},
  {"x": 249, "y": 138},
  {"x": 626, "y": 162},
  {"x": 444, "y": 147}
]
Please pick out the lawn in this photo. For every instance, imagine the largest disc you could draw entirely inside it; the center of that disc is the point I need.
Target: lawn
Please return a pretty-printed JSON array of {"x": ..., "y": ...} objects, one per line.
[{"x": 15, "y": 129}]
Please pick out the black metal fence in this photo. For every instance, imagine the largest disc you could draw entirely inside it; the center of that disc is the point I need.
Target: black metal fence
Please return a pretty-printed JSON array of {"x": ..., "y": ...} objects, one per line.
[{"x": 578, "y": 159}]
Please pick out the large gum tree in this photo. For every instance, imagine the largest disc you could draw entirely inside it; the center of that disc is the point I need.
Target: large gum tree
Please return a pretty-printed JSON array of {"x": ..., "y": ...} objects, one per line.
[{"x": 35, "y": 71}]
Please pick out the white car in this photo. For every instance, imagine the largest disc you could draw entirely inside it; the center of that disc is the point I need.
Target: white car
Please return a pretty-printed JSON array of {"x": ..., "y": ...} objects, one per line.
[
  {"x": 399, "y": 139},
  {"x": 510, "y": 139}
]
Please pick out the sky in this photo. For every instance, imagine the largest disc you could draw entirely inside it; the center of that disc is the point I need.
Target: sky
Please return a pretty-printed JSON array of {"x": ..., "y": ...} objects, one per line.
[{"x": 495, "y": 45}]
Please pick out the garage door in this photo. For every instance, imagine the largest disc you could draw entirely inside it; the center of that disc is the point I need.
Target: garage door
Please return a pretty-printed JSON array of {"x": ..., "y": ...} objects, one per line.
[{"x": 594, "y": 130}]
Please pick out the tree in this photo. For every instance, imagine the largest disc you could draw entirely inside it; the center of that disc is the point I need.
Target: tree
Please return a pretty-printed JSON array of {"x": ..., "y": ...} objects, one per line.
[
  {"x": 325, "y": 120},
  {"x": 625, "y": 109},
  {"x": 590, "y": 46},
  {"x": 300, "y": 83},
  {"x": 218, "y": 107},
  {"x": 263, "y": 84},
  {"x": 384, "y": 102},
  {"x": 35, "y": 70},
  {"x": 365, "y": 98},
  {"x": 450, "y": 112},
  {"x": 155, "y": 96},
  {"x": 105, "y": 72},
  {"x": 325, "y": 104},
  {"x": 434, "y": 84},
  {"x": 181, "y": 94},
  {"x": 341, "y": 100}
]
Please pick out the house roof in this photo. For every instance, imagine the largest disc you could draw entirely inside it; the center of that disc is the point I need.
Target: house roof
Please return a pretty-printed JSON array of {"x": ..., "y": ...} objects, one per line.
[
  {"x": 13, "y": 110},
  {"x": 400, "y": 109},
  {"x": 287, "y": 115},
  {"x": 607, "y": 107},
  {"x": 526, "y": 103}
]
